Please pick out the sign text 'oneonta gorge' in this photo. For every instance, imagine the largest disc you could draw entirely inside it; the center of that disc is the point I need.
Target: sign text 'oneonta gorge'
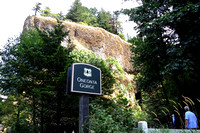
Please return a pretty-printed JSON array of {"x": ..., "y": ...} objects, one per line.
[{"x": 84, "y": 78}]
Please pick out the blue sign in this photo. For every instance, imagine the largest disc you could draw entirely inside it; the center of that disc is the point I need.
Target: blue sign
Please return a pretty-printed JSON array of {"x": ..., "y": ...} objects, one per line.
[{"x": 85, "y": 78}]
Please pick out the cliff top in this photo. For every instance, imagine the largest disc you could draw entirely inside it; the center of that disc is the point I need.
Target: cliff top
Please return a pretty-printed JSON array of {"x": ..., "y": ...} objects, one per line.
[{"x": 103, "y": 43}]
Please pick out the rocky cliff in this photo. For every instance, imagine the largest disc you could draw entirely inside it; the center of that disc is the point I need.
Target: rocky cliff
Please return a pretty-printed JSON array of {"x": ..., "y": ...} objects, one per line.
[{"x": 102, "y": 43}]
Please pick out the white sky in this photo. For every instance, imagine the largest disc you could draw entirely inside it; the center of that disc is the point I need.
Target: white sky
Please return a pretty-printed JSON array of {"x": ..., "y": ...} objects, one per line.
[{"x": 14, "y": 13}]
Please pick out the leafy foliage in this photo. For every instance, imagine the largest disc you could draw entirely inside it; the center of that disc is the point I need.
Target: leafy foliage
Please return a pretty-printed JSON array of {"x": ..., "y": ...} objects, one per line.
[
  {"x": 15, "y": 112},
  {"x": 165, "y": 51},
  {"x": 90, "y": 58},
  {"x": 118, "y": 117},
  {"x": 40, "y": 86},
  {"x": 36, "y": 66},
  {"x": 108, "y": 113},
  {"x": 47, "y": 13}
]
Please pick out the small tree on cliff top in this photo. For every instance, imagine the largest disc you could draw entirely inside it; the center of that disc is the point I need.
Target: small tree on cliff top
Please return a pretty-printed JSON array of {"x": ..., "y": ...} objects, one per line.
[{"x": 37, "y": 8}]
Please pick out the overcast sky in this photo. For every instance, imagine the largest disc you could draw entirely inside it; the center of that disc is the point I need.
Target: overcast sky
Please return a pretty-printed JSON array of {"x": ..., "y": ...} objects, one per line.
[{"x": 14, "y": 13}]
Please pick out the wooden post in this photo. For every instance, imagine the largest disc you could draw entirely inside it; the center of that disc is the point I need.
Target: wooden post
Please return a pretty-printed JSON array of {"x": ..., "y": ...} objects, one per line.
[{"x": 84, "y": 114}]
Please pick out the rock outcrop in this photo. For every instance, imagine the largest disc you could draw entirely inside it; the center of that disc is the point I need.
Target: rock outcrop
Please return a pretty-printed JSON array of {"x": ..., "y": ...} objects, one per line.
[{"x": 102, "y": 43}]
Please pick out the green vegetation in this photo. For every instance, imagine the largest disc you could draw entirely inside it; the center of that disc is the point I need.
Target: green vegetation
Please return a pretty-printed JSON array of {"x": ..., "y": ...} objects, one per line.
[
  {"x": 37, "y": 8},
  {"x": 117, "y": 117},
  {"x": 33, "y": 76},
  {"x": 93, "y": 17},
  {"x": 33, "y": 71},
  {"x": 81, "y": 14},
  {"x": 166, "y": 59}
]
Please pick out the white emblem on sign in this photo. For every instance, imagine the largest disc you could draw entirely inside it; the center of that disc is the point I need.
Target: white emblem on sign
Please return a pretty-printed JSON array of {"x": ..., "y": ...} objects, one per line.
[{"x": 88, "y": 72}]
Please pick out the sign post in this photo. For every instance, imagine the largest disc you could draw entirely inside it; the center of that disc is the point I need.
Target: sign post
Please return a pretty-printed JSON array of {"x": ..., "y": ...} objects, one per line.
[
  {"x": 84, "y": 79},
  {"x": 84, "y": 113}
]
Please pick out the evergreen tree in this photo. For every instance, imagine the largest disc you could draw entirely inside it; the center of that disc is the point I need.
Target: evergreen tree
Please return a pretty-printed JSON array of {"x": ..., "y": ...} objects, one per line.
[
  {"x": 88, "y": 17},
  {"x": 104, "y": 20},
  {"x": 79, "y": 13},
  {"x": 75, "y": 12},
  {"x": 115, "y": 24},
  {"x": 94, "y": 11},
  {"x": 37, "y": 66}
]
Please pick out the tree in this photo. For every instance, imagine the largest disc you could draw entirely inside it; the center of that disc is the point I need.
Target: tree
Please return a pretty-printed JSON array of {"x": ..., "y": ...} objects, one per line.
[
  {"x": 57, "y": 63},
  {"x": 79, "y": 13},
  {"x": 92, "y": 17},
  {"x": 37, "y": 8},
  {"x": 165, "y": 52},
  {"x": 37, "y": 66},
  {"x": 75, "y": 12},
  {"x": 94, "y": 11},
  {"x": 104, "y": 20},
  {"x": 116, "y": 25},
  {"x": 88, "y": 17},
  {"x": 46, "y": 12}
]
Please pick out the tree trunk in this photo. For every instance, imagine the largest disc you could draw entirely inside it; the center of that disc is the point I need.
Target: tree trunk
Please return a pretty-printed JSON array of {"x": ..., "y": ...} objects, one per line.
[
  {"x": 34, "y": 115},
  {"x": 42, "y": 118},
  {"x": 59, "y": 101},
  {"x": 18, "y": 114}
]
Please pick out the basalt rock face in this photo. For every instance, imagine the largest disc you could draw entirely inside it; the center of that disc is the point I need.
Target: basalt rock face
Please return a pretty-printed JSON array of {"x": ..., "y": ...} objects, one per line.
[{"x": 104, "y": 44}]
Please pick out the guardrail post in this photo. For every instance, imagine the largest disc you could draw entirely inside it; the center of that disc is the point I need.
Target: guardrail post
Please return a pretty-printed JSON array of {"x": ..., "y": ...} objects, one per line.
[{"x": 142, "y": 125}]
